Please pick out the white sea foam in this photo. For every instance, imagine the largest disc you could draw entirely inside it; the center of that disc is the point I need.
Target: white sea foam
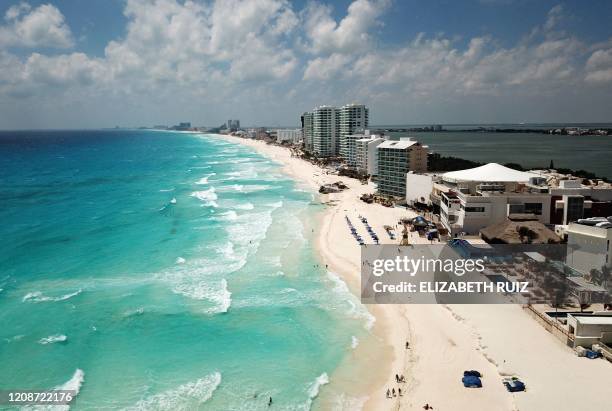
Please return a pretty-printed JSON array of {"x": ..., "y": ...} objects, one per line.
[
  {"x": 188, "y": 396},
  {"x": 53, "y": 339},
  {"x": 134, "y": 312},
  {"x": 173, "y": 201},
  {"x": 276, "y": 205},
  {"x": 38, "y": 297},
  {"x": 14, "y": 338},
  {"x": 165, "y": 190},
  {"x": 73, "y": 384},
  {"x": 354, "y": 342},
  {"x": 204, "y": 180},
  {"x": 315, "y": 387},
  {"x": 223, "y": 299},
  {"x": 230, "y": 215},
  {"x": 244, "y": 206},
  {"x": 180, "y": 260},
  {"x": 208, "y": 197},
  {"x": 356, "y": 309}
]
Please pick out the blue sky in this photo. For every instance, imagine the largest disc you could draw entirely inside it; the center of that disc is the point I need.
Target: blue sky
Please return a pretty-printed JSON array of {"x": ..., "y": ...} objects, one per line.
[{"x": 132, "y": 62}]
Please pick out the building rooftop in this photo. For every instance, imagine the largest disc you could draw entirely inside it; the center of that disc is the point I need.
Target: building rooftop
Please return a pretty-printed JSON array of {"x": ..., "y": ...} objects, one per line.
[
  {"x": 491, "y": 172},
  {"x": 398, "y": 144},
  {"x": 593, "y": 319}
]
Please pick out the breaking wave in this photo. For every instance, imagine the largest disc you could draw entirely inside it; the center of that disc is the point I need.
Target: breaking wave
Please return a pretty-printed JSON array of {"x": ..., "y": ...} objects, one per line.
[
  {"x": 39, "y": 297},
  {"x": 53, "y": 339},
  {"x": 208, "y": 197},
  {"x": 188, "y": 396}
]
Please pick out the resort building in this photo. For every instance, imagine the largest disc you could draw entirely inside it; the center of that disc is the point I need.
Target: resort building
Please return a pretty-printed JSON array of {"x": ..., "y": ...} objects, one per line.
[
  {"x": 591, "y": 328},
  {"x": 326, "y": 131},
  {"x": 354, "y": 119},
  {"x": 589, "y": 243},
  {"x": 475, "y": 198},
  {"x": 291, "y": 136},
  {"x": 366, "y": 154},
  {"x": 395, "y": 159},
  {"x": 307, "y": 130}
]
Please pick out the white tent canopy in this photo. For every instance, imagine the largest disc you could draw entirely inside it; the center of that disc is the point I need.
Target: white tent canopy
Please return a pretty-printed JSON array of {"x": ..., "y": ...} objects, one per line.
[{"x": 489, "y": 173}]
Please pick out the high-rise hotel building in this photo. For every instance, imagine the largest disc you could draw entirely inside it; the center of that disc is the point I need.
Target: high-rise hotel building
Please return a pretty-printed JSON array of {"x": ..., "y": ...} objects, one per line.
[
  {"x": 354, "y": 119},
  {"x": 307, "y": 130},
  {"x": 395, "y": 159},
  {"x": 325, "y": 131}
]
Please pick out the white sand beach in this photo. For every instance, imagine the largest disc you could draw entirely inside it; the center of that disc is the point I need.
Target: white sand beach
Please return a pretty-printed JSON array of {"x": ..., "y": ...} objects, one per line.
[{"x": 497, "y": 340}]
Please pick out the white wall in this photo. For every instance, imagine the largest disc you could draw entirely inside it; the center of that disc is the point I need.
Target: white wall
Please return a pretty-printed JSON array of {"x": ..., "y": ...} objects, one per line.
[{"x": 418, "y": 188}]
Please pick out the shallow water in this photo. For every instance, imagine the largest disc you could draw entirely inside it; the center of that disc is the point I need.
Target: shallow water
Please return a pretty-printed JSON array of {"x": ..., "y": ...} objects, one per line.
[{"x": 153, "y": 270}]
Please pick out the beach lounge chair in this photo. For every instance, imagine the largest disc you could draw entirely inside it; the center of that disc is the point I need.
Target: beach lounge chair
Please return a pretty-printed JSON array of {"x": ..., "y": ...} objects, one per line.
[
  {"x": 471, "y": 381},
  {"x": 514, "y": 385}
]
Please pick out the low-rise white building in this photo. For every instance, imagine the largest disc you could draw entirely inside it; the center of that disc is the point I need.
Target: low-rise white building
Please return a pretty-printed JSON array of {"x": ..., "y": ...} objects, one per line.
[
  {"x": 478, "y": 197},
  {"x": 589, "y": 329},
  {"x": 589, "y": 243}
]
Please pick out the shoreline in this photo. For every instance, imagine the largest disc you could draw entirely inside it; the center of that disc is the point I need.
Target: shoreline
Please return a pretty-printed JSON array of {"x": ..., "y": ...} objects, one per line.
[{"x": 497, "y": 340}]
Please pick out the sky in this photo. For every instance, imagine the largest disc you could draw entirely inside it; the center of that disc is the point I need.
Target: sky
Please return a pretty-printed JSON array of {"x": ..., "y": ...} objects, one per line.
[{"x": 101, "y": 63}]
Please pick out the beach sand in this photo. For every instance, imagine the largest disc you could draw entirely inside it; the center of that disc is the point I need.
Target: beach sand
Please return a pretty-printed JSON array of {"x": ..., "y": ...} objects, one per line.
[{"x": 444, "y": 340}]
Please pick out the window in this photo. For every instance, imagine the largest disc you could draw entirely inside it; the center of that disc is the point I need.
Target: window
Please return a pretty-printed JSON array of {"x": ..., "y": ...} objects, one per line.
[{"x": 474, "y": 209}]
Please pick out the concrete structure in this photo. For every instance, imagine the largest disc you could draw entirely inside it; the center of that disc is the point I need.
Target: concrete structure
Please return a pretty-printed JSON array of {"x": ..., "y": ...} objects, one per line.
[
  {"x": 395, "y": 159},
  {"x": 232, "y": 125},
  {"x": 307, "y": 121},
  {"x": 475, "y": 198},
  {"x": 589, "y": 243},
  {"x": 291, "y": 136},
  {"x": 354, "y": 119},
  {"x": 589, "y": 329},
  {"x": 418, "y": 188},
  {"x": 366, "y": 154},
  {"x": 350, "y": 147},
  {"x": 326, "y": 131}
]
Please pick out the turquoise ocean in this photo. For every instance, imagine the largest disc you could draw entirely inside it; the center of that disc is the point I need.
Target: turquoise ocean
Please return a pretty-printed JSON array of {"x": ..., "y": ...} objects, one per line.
[{"x": 166, "y": 271}]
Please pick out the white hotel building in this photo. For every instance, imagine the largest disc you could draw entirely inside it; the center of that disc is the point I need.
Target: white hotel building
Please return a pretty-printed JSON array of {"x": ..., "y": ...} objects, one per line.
[
  {"x": 325, "y": 131},
  {"x": 395, "y": 159},
  {"x": 366, "y": 154},
  {"x": 354, "y": 120},
  {"x": 291, "y": 135}
]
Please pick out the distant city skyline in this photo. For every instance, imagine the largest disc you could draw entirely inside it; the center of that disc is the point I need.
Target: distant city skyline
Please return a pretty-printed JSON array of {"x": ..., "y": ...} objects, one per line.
[{"x": 71, "y": 64}]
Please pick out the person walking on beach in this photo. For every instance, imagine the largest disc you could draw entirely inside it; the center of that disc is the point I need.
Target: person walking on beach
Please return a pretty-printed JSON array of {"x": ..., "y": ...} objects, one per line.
[
  {"x": 399, "y": 390},
  {"x": 393, "y": 392},
  {"x": 270, "y": 402},
  {"x": 388, "y": 393},
  {"x": 397, "y": 378}
]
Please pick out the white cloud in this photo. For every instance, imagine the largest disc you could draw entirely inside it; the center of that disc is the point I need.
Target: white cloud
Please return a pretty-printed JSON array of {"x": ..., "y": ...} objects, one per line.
[
  {"x": 325, "y": 68},
  {"x": 351, "y": 34},
  {"x": 599, "y": 66},
  {"x": 265, "y": 57},
  {"x": 43, "y": 26}
]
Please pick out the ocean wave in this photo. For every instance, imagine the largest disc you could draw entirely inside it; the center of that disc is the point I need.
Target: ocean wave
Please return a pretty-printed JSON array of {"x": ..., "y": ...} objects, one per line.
[
  {"x": 38, "y": 297},
  {"x": 134, "y": 312},
  {"x": 230, "y": 215},
  {"x": 73, "y": 384},
  {"x": 53, "y": 339},
  {"x": 355, "y": 308},
  {"x": 354, "y": 342},
  {"x": 204, "y": 180},
  {"x": 180, "y": 260},
  {"x": 208, "y": 197},
  {"x": 173, "y": 201},
  {"x": 315, "y": 388},
  {"x": 165, "y": 190},
  {"x": 184, "y": 397},
  {"x": 244, "y": 206}
]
